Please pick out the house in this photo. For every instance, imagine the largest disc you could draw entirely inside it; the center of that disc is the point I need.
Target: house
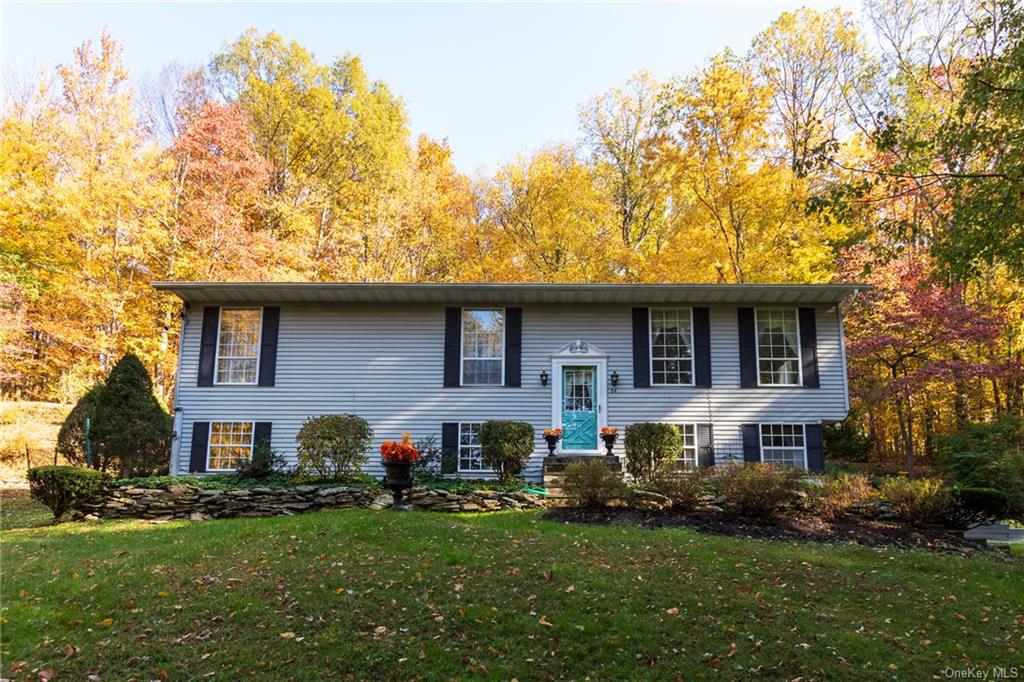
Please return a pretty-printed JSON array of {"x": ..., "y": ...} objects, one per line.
[{"x": 748, "y": 372}]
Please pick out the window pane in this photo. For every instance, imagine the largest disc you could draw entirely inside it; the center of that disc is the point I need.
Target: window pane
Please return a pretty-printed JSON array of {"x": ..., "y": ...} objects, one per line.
[
  {"x": 483, "y": 344},
  {"x": 671, "y": 348},
  {"x": 238, "y": 345},
  {"x": 778, "y": 348},
  {"x": 469, "y": 448},
  {"x": 230, "y": 442},
  {"x": 689, "y": 433},
  {"x": 783, "y": 444}
]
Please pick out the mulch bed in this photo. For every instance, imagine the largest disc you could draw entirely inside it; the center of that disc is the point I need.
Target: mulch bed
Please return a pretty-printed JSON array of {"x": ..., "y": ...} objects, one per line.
[{"x": 793, "y": 527}]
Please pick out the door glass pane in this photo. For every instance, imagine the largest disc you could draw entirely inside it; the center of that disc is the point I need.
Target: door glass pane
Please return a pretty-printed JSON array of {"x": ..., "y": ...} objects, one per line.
[{"x": 578, "y": 389}]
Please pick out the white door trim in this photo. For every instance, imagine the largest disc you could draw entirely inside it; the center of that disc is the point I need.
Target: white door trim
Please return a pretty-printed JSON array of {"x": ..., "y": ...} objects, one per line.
[{"x": 601, "y": 365}]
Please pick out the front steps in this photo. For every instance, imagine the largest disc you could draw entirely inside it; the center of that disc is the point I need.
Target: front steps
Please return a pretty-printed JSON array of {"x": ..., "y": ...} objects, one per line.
[{"x": 554, "y": 472}]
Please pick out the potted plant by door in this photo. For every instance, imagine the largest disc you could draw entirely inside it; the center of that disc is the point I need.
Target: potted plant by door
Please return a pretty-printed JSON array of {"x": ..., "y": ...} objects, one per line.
[
  {"x": 398, "y": 458},
  {"x": 552, "y": 436},
  {"x": 609, "y": 434}
]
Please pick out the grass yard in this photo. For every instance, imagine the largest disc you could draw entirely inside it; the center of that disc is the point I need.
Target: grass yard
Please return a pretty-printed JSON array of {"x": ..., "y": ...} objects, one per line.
[{"x": 380, "y": 595}]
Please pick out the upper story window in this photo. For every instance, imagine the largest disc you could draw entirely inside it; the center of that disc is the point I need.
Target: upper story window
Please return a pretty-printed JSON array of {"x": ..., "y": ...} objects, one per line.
[
  {"x": 483, "y": 346},
  {"x": 230, "y": 443},
  {"x": 778, "y": 347},
  {"x": 238, "y": 345},
  {"x": 470, "y": 458},
  {"x": 671, "y": 346},
  {"x": 783, "y": 444}
]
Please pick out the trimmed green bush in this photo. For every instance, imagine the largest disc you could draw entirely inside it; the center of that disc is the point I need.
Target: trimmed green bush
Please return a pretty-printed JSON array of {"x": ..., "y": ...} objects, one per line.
[
  {"x": 837, "y": 494},
  {"x": 651, "y": 450},
  {"x": 686, "y": 490},
  {"x": 333, "y": 445},
  {"x": 754, "y": 489},
  {"x": 505, "y": 446},
  {"x": 61, "y": 487},
  {"x": 71, "y": 438},
  {"x": 919, "y": 500},
  {"x": 987, "y": 464},
  {"x": 592, "y": 483},
  {"x": 265, "y": 462}
]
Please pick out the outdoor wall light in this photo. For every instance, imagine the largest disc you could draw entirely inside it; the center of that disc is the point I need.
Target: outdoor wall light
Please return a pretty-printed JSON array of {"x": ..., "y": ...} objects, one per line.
[
  {"x": 615, "y": 380},
  {"x": 543, "y": 378}
]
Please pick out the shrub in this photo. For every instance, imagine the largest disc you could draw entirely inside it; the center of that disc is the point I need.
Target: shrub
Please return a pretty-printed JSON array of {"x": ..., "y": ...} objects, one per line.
[
  {"x": 61, "y": 487},
  {"x": 919, "y": 500},
  {"x": 333, "y": 445},
  {"x": 592, "y": 483},
  {"x": 988, "y": 466},
  {"x": 651, "y": 449},
  {"x": 71, "y": 437},
  {"x": 131, "y": 431},
  {"x": 757, "y": 489},
  {"x": 505, "y": 446},
  {"x": 846, "y": 441},
  {"x": 686, "y": 490},
  {"x": 834, "y": 497},
  {"x": 265, "y": 462},
  {"x": 428, "y": 465}
]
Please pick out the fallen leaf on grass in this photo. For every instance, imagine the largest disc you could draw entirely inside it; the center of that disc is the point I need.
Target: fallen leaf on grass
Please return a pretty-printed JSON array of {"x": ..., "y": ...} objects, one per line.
[
  {"x": 672, "y": 611},
  {"x": 288, "y": 635},
  {"x": 544, "y": 621}
]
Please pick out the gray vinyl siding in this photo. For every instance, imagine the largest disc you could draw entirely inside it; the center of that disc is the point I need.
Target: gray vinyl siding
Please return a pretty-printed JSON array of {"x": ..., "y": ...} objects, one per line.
[{"x": 385, "y": 363}]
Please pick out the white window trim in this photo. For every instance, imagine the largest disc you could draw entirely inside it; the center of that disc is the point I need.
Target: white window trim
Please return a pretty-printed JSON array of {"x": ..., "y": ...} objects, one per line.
[
  {"x": 799, "y": 351},
  {"x": 760, "y": 437},
  {"x": 209, "y": 440},
  {"x": 462, "y": 344},
  {"x": 458, "y": 455},
  {"x": 650, "y": 347},
  {"x": 216, "y": 349},
  {"x": 696, "y": 442}
]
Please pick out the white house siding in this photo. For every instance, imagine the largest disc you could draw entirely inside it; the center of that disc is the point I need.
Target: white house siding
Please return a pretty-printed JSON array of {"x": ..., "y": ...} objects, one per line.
[{"x": 385, "y": 363}]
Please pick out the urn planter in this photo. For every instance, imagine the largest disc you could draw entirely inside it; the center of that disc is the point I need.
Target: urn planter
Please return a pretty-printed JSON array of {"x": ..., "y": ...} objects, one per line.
[
  {"x": 609, "y": 442},
  {"x": 552, "y": 442},
  {"x": 398, "y": 479}
]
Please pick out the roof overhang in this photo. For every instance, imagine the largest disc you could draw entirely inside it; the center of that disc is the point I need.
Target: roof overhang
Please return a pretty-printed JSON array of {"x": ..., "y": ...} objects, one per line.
[{"x": 258, "y": 293}]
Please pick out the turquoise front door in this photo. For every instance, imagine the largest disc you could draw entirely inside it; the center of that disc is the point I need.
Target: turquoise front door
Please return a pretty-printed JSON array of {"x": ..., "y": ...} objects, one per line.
[{"x": 579, "y": 408}]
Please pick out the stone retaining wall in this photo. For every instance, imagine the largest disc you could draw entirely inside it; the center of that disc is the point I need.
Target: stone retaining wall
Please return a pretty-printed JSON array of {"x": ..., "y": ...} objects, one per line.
[{"x": 189, "y": 502}]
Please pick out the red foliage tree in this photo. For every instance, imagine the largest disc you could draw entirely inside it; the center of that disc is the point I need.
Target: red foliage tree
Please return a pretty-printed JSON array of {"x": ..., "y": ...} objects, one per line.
[{"x": 911, "y": 334}]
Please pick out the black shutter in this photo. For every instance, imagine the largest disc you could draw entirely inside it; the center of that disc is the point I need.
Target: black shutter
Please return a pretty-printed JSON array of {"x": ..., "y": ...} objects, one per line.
[
  {"x": 513, "y": 347},
  {"x": 641, "y": 348},
  {"x": 705, "y": 445},
  {"x": 449, "y": 447},
  {"x": 748, "y": 348},
  {"x": 452, "y": 345},
  {"x": 268, "y": 346},
  {"x": 702, "y": 347},
  {"x": 208, "y": 345},
  {"x": 261, "y": 433},
  {"x": 809, "y": 347},
  {"x": 815, "y": 448},
  {"x": 200, "y": 439},
  {"x": 751, "y": 443}
]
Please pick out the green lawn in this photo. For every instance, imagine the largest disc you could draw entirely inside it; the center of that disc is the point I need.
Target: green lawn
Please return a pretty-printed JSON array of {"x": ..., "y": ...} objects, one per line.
[{"x": 381, "y": 595}]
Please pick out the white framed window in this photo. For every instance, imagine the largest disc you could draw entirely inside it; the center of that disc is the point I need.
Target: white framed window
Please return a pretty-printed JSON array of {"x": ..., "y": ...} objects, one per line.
[
  {"x": 238, "y": 345},
  {"x": 784, "y": 444},
  {"x": 483, "y": 347},
  {"x": 778, "y": 346},
  {"x": 689, "y": 434},
  {"x": 470, "y": 458},
  {"x": 671, "y": 346},
  {"x": 230, "y": 443}
]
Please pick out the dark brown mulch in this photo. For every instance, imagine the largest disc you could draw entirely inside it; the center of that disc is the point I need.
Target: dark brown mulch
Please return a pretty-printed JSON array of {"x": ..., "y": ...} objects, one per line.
[{"x": 794, "y": 527}]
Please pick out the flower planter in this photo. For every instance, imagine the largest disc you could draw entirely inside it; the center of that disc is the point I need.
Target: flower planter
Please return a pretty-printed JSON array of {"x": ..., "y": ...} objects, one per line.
[
  {"x": 609, "y": 441},
  {"x": 552, "y": 442},
  {"x": 398, "y": 479}
]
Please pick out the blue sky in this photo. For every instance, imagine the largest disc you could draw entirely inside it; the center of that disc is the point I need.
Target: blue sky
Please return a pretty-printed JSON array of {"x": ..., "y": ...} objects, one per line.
[{"x": 495, "y": 79}]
